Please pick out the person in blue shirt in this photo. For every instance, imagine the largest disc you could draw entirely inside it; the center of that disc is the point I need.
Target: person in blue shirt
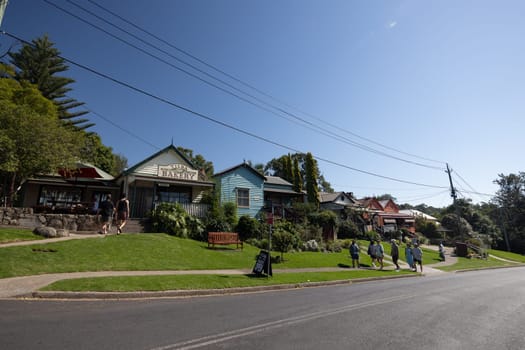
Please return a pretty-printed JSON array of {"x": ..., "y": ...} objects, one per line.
[
  {"x": 380, "y": 253},
  {"x": 408, "y": 256},
  {"x": 354, "y": 254}
]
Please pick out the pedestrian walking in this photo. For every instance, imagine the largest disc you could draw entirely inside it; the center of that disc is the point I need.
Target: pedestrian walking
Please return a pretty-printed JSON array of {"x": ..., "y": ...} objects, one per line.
[
  {"x": 418, "y": 257},
  {"x": 122, "y": 212},
  {"x": 354, "y": 254},
  {"x": 380, "y": 253},
  {"x": 371, "y": 252},
  {"x": 442, "y": 251},
  {"x": 394, "y": 252},
  {"x": 408, "y": 256},
  {"x": 106, "y": 211}
]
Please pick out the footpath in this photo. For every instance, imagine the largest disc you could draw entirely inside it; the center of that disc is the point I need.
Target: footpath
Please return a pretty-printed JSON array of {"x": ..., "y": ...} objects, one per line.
[{"x": 28, "y": 286}]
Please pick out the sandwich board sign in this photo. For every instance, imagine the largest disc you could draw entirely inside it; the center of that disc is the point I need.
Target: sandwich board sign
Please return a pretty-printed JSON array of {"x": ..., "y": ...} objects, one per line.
[{"x": 263, "y": 264}]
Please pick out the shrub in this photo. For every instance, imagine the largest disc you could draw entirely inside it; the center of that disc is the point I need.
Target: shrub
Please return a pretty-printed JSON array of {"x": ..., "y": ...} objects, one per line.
[
  {"x": 217, "y": 220},
  {"x": 311, "y": 246},
  {"x": 248, "y": 227},
  {"x": 345, "y": 243},
  {"x": 282, "y": 241},
  {"x": 333, "y": 246},
  {"x": 348, "y": 229},
  {"x": 371, "y": 235},
  {"x": 310, "y": 232},
  {"x": 172, "y": 219},
  {"x": 230, "y": 213}
]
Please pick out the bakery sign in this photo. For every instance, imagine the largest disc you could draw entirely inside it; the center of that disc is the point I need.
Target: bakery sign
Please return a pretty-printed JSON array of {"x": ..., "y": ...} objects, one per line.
[{"x": 177, "y": 171}]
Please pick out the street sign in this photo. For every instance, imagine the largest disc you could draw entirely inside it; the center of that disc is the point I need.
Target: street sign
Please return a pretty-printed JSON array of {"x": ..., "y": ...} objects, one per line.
[{"x": 269, "y": 219}]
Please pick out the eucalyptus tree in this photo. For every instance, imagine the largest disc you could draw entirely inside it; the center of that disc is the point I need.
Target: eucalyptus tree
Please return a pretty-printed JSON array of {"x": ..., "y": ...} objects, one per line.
[{"x": 32, "y": 138}]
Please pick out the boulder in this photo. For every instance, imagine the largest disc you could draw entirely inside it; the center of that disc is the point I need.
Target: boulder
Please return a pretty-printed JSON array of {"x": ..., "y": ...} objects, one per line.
[
  {"x": 62, "y": 233},
  {"x": 45, "y": 231}
]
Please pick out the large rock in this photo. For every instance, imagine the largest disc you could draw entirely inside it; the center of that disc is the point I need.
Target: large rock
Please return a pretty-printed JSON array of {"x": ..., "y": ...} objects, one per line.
[{"x": 46, "y": 231}]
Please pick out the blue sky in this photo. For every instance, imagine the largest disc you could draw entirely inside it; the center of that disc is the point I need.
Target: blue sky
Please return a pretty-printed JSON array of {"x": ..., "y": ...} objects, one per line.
[{"x": 426, "y": 82}]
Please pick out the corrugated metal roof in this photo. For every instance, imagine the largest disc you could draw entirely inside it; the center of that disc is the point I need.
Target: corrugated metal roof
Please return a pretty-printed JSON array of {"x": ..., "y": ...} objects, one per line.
[{"x": 276, "y": 180}]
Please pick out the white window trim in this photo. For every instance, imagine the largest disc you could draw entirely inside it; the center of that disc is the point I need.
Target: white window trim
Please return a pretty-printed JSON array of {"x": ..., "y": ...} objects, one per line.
[{"x": 248, "y": 197}]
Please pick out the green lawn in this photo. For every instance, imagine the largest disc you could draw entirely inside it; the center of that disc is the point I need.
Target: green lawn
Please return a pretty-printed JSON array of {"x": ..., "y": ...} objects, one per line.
[
  {"x": 143, "y": 252},
  {"x": 466, "y": 264},
  {"x": 149, "y": 252},
  {"x": 177, "y": 282},
  {"x": 8, "y": 235},
  {"x": 507, "y": 255}
]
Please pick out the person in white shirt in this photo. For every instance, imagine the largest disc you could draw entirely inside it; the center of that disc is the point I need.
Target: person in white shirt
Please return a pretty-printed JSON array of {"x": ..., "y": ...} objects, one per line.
[{"x": 442, "y": 251}]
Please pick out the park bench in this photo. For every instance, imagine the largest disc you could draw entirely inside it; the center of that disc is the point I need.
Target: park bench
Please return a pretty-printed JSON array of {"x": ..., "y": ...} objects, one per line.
[{"x": 223, "y": 238}]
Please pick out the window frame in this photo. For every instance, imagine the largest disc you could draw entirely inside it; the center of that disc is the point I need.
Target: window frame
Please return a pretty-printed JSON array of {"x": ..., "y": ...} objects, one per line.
[{"x": 245, "y": 199}]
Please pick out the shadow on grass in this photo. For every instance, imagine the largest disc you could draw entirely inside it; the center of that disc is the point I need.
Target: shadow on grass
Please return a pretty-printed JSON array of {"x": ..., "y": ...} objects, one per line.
[
  {"x": 344, "y": 266},
  {"x": 257, "y": 275},
  {"x": 232, "y": 249}
]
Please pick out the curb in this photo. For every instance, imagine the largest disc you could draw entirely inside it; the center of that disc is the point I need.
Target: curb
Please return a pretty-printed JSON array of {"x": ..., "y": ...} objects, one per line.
[{"x": 197, "y": 292}]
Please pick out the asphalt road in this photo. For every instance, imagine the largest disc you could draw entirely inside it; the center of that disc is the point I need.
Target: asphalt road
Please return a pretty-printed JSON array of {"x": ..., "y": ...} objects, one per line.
[{"x": 472, "y": 310}]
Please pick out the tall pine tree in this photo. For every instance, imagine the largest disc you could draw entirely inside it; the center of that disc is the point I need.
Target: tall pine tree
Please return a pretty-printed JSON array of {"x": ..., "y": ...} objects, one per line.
[
  {"x": 298, "y": 179},
  {"x": 39, "y": 64},
  {"x": 312, "y": 188}
]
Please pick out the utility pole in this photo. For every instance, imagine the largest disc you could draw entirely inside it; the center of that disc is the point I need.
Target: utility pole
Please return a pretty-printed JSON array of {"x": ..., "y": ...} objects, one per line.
[{"x": 454, "y": 196}]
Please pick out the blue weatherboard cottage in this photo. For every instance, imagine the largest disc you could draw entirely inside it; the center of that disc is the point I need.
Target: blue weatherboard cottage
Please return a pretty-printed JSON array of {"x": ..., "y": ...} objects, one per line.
[{"x": 244, "y": 186}]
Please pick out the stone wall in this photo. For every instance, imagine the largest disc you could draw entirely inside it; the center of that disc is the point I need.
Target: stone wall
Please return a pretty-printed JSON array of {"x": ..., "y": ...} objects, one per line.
[{"x": 24, "y": 217}]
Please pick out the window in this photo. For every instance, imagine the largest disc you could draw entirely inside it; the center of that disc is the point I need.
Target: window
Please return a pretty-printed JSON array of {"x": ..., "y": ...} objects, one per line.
[
  {"x": 174, "y": 194},
  {"x": 243, "y": 198},
  {"x": 59, "y": 197}
]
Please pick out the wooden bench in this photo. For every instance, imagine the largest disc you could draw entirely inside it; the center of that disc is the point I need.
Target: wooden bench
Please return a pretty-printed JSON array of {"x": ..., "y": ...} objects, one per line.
[{"x": 223, "y": 238}]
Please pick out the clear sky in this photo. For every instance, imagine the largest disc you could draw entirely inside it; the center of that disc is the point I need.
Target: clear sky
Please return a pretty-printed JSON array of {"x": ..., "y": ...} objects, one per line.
[{"x": 377, "y": 90}]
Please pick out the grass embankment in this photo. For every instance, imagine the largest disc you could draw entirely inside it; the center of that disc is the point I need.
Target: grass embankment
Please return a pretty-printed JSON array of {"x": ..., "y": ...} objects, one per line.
[
  {"x": 150, "y": 252},
  {"x": 475, "y": 263},
  {"x": 185, "y": 282},
  {"x": 8, "y": 235},
  {"x": 507, "y": 255},
  {"x": 147, "y": 252}
]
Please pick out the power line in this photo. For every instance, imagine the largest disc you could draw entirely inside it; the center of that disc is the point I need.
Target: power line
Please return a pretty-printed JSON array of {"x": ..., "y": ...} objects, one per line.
[
  {"x": 296, "y": 119},
  {"x": 456, "y": 174},
  {"x": 218, "y": 122},
  {"x": 122, "y": 129},
  {"x": 421, "y": 197},
  {"x": 185, "y": 52}
]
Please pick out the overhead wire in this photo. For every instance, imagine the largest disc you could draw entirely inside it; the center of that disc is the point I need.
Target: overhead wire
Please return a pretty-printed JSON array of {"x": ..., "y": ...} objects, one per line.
[
  {"x": 473, "y": 191},
  {"x": 287, "y": 115},
  {"x": 218, "y": 122},
  {"x": 421, "y": 197},
  {"x": 251, "y": 86},
  {"x": 108, "y": 120}
]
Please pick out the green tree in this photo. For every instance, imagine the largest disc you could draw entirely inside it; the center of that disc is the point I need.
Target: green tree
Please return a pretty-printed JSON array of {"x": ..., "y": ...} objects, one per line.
[
  {"x": 39, "y": 64},
  {"x": 311, "y": 180},
  {"x": 324, "y": 185},
  {"x": 511, "y": 200},
  {"x": 297, "y": 178},
  {"x": 93, "y": 151},
  {"x": 386, "y": 196},
  {"x": 198, "y": 161},
  {"x": 33, "y": 139},
  {"x": 280, "y": 167}
]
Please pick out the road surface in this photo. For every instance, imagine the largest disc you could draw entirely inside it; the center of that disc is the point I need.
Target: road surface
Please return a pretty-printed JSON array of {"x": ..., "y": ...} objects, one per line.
[{"x": 472, "y": 310}]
